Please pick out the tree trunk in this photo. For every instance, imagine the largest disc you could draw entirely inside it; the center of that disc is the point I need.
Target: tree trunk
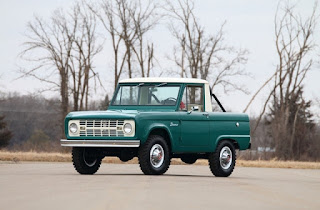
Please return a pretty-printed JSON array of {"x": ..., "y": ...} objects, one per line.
[{"x": 64, "y": 97}]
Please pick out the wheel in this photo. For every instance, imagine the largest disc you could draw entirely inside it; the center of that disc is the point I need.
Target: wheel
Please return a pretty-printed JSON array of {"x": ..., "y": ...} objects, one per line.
[
  {"x": 154, "y": 158},
  {"x": 189, "y": 159},
  {"x": 86, "y": 160},
  {"x": 223, "y": 160}
]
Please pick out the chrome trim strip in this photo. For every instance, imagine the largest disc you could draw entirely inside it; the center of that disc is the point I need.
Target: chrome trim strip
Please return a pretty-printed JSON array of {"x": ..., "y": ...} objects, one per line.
[{"x": 99, "y": 143}]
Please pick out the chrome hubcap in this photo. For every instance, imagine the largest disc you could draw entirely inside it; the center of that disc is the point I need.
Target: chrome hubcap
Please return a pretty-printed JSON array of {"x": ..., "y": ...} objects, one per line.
[
  {"x": 89, "y": 161},
  {"x": 156, "y": 155},
  {"x": 225, "y": 157}
]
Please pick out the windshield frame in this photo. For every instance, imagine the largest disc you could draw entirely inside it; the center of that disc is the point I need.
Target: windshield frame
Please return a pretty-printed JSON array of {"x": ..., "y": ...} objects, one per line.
[{"x": 161, "y": 84}]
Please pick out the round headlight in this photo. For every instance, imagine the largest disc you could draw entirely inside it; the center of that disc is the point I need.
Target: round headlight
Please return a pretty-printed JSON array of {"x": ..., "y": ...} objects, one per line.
[
  {"x": 73, "y": 128},
  {"x": 127, "y": 128}
]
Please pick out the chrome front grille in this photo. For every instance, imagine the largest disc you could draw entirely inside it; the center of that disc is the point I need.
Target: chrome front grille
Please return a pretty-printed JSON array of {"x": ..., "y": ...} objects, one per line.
[{"x": 104, "y": 128}]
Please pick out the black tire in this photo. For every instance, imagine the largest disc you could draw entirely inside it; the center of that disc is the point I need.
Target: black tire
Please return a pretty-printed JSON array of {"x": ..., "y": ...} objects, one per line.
[
  {"x": 189, "y": 159},
  {"x": 126, "y": 155},
  {"x": 86, "y": 160},
  {"x": 223, "y": 168},
  {"x": 148, "y": 166}
]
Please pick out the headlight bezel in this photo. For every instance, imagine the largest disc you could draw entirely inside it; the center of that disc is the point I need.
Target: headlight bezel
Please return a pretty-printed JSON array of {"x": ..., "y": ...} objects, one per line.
[
  {"x": 73, "y": 128},
  {"x": 128, "y": 126},
  {"x": 76, "y": 133}
]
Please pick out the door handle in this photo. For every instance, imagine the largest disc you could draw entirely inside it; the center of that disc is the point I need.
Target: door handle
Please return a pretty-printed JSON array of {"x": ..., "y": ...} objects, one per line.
[{"x": 206, "y": 114}]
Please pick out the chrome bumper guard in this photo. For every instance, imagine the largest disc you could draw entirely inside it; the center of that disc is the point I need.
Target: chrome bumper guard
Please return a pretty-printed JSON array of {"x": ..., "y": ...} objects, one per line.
[{"x": 99, "y": 143}]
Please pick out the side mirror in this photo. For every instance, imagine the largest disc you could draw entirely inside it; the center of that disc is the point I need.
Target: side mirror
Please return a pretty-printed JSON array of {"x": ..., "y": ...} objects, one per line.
[{"x": 194, "y": 108}]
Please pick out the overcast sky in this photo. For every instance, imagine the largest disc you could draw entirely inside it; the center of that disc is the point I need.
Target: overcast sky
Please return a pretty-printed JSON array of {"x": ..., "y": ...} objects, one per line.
[{"x": 249, "y": 25}]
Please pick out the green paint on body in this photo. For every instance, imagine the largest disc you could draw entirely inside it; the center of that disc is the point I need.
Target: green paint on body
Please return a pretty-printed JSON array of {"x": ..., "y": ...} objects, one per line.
[{"x": 195, "y": 132}]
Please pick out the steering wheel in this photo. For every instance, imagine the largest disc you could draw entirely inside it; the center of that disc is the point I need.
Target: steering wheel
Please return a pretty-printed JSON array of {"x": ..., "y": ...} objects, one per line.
[{"x": 169, "y": 101}]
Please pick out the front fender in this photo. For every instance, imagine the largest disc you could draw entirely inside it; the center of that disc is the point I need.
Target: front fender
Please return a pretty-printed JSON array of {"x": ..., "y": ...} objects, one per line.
[{"x": 146, "y": 131}]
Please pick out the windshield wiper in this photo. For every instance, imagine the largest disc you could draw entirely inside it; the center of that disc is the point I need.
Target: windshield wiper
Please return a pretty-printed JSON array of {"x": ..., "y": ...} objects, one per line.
[{"x": 162, "y": 84}]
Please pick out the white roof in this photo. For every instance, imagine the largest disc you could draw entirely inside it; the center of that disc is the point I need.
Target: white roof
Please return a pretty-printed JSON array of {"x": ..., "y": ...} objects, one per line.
[{"x": 163, "y": 80}]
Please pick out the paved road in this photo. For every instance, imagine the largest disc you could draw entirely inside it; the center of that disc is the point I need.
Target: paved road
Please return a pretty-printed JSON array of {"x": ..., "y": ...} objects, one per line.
[{"x": 122, "y": 186}]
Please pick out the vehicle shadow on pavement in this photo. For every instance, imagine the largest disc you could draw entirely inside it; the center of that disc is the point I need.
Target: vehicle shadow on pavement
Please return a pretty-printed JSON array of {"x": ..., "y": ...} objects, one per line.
[
  {"x": 187, "y": 175},
  {"x": 174, "y": 175},
  {"x": 142, "y": 175},
  {"x": 158, "y": 176}
]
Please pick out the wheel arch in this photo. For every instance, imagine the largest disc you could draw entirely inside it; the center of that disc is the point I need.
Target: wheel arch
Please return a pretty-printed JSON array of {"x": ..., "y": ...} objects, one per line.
[
  {"x": 162, "y": 131},
  {"x": 231, "y": 139}
]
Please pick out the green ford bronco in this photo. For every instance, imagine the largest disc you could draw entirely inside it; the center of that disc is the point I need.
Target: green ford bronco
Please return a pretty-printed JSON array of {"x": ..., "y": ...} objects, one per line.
[{"x": 156, "y": 119}]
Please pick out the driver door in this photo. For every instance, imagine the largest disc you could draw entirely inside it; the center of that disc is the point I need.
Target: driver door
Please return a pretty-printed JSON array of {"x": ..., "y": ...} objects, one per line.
[{"x": 194, "y": 124}]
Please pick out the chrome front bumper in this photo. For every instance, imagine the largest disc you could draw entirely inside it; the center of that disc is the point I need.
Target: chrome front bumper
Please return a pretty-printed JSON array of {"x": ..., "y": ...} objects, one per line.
[{"x": 99, "y": 143}]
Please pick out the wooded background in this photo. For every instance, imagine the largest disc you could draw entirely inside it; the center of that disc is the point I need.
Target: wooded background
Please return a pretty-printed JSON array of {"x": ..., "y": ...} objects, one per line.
[{"x": 62, "y": 48}]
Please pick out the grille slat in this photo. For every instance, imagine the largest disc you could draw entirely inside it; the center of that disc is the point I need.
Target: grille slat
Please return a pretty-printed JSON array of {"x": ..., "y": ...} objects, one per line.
[{"x": 105, "y": 128}]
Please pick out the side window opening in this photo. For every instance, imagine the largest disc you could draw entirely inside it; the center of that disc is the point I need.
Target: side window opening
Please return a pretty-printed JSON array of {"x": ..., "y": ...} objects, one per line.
[{"x": 192, "y": 96}]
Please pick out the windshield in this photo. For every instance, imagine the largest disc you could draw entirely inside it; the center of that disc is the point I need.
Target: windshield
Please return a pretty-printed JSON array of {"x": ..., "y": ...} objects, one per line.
[{"x": 146, "y": 95}]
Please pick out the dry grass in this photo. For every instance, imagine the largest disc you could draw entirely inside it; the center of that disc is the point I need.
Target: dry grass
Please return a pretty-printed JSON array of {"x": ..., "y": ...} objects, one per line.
[
  {"x": 34, "y": 156},
  {"x": 60, "y": 157},
  {"x": 278, "y": 164}
]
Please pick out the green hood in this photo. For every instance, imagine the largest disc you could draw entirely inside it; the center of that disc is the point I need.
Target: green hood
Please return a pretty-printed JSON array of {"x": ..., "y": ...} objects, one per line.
[{"x": 121, "y": 114}]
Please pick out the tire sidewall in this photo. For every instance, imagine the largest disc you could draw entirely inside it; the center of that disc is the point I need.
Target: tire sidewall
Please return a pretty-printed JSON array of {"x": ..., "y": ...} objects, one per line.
[
  {"x": 231, "y": 147},
  {"x": 144, "y": 156},
  {"x": 163, "y": 167},
  {"x": 78, "y": 157}
]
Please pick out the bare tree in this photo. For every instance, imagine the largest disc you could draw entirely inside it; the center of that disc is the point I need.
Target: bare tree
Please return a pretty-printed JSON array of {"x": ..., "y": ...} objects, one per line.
[
  {"x": 127, "y": 23},
  {"x": 52, "y": 42},
  {"x": 289, "y": 116},
  {"x": 294, "y": 42},
  {"x": 63, "y": 46},
  {"x": 84, "y": 50},
  {"x": 202, "y": 55},
  {"x": 144, "y": 19},
  {"x": 112, "y": 24}
]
